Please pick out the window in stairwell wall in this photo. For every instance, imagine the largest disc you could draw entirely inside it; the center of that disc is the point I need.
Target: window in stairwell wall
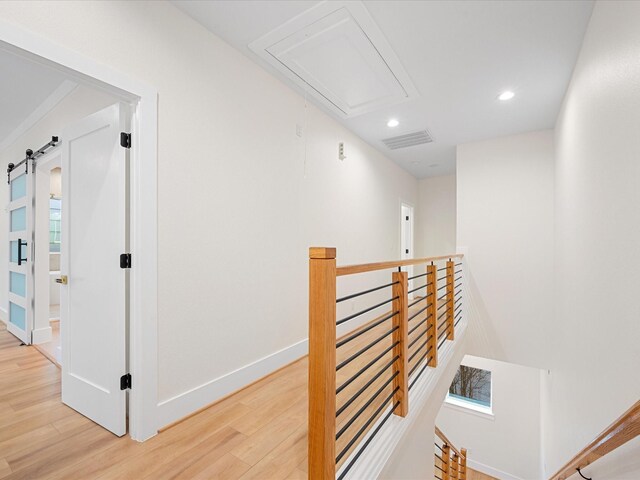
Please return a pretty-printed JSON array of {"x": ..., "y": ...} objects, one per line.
[{"x": 471, "y": 388}]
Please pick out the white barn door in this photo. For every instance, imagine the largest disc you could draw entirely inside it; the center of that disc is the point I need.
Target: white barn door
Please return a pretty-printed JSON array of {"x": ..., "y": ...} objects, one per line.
[
  {"x": 20, "y": 295},
  {"x": 93, "y": 297}
]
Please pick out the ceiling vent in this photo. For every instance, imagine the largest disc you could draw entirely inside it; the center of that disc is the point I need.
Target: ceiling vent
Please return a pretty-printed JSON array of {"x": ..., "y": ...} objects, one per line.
[{"x": 408, "y": 140}]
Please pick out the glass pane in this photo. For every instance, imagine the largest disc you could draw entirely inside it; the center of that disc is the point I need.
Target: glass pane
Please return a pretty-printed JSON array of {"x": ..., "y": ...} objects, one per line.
[
  {"x": 19, "y": 219},
  {"x": 473, "y": 385},
  {"x": 14, "y": 251},
  {"x": 17, "y": 283},
  {"x": 18, "y": 187},
  {"x": 17, "y": 316},
  {"x": 55, "y": 218}
]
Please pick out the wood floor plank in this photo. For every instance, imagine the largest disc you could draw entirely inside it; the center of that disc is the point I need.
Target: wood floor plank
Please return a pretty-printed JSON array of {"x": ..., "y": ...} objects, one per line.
[{"x": 259, "y": 432}]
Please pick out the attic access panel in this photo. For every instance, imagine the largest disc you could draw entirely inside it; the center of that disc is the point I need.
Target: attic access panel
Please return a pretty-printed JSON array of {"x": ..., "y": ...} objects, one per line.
[{"x": 337, "y": 49}]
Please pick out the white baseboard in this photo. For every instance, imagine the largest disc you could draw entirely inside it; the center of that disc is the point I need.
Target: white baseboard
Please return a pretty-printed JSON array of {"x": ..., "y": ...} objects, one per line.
[
  {"x": 180, "y": 406},
  {"x": 41, "y": 335},
  {"x": 494, "y": 472},
  {"x": 4, "y": 315}
]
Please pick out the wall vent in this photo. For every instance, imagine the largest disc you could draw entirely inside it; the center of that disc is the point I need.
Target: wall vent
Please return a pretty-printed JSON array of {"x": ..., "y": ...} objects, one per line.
[{"x": 408, "y": 140}]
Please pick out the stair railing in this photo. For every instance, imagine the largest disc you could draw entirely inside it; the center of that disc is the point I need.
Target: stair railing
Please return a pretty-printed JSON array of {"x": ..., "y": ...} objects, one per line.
[
  {"x": 450, "y": 463},
  {"x": 363, "y": 364},
  {"x": 625, "y": 428}
]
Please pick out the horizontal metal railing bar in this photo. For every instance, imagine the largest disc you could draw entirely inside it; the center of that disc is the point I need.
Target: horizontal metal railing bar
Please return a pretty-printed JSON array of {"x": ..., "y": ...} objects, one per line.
[
  {"x": 365, "y": 330},
  {"x": 439, "y": 457},
  {"x": 442, "y": 269},
  {"x": 443, "y": 305},
  {"x": 371, "y": 267},
  {"x": 442, "y": 333},
  {"x": 424, "y": 367},
  {"x": 422, "y": 345},
  {"x": 365, "y": 386},
  {"x": 437, "y": 446},
  {"x": 366, "y": 425},
  {"x": 419, "y": 361},
  {"x": 366, "y": 367},
  {"x": 418, "y": 326},
  {"x": 415, "y": 314},
  {"x": 372, "y": 399},
  {"x": 437, "y": 465},
  {"x": 364, "y": 292},
  {"x": 418, "y": 276},
  {"x": 457, "y": 271},
  {"x": 442, "y": 342},
  {"x": 456, "y": 286},
  {"x": 368, "y": 441},
  {"x": 442, "y": 278},
  {"x": 442, "y": 296},
  {"x": 415, "y": 340},
  {"x": 443, "y": 286},
  {"x": 357, "y": 314},
  {"x": 458, "y": 264},
  {"x": 443, "y": 314},
  {"x": 456, "y": 279},
  {"x": 417, "y": 288},
  {"x": 361, "y": 351},
  {"x": 417, "y": 301}
]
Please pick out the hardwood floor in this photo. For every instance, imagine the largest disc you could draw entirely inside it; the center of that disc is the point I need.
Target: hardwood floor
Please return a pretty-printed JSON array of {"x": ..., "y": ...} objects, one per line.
[
  {"x": 475, "y": 475},
  {"x": 257, "y": 433},
  {"x": 49, "y": 349}
]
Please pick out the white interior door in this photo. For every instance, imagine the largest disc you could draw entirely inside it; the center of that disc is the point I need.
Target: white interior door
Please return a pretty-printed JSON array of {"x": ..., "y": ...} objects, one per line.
[
  {"x": 93, "y": 303},
  {"x": 20, "y": 295}
]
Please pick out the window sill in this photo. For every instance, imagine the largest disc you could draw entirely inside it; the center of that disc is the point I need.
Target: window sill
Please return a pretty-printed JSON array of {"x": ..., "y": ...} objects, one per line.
[{"x": 467, "y": 407}]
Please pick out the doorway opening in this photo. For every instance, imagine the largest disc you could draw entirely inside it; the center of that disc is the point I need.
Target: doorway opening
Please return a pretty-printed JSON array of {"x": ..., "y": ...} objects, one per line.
[{"x": 40, "y": 265}]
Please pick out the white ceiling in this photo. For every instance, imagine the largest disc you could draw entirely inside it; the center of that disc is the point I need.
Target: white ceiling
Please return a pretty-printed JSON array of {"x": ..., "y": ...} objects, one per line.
[
  {"x": 27, "y": 91},
  {"x": 458, "y": 55}
]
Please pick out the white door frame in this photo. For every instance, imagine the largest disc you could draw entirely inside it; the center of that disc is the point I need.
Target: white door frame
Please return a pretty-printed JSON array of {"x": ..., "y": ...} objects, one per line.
[{"x": 143, "y": 332}]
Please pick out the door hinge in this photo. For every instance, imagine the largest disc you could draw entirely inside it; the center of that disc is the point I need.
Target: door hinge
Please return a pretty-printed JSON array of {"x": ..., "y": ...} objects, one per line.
[
  {"x": 407, "y": 218},
  {"x": 125, "y": 260},
  {"x": 125, "y": 140},
  {"x": 125, "y": 381},
  {"x": 406, "y": 250}
]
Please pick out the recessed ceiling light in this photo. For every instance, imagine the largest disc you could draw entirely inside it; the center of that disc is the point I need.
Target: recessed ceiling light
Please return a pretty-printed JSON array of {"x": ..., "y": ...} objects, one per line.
[
  {"x": 393, "y": 123},
  {"x": 508, "y": 95}
]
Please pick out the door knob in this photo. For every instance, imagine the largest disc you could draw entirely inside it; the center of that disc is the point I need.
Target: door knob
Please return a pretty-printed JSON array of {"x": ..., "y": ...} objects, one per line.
[{"x": 63, "y": 280}]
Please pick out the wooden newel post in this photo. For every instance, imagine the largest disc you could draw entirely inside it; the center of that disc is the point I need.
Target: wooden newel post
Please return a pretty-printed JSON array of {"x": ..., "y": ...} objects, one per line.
[
  {"x": 432, "y": 315},
  {"x": 445, "y": 462},
  {"x": 463, "y": 464},
  {"x": 400, "y": 335},
  {"x": 453, "y": 471},
  {"x": 450, "y": 292},
  {"x": 322, "y": 363}
]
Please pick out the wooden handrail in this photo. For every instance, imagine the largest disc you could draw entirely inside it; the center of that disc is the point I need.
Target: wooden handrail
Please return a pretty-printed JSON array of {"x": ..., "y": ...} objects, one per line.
[
  {"x": 625, "y": 428},
  {"x": 392, "y": 349},
  {"x": 371, "y": 267},
  {"x": 448, "y": 442}
]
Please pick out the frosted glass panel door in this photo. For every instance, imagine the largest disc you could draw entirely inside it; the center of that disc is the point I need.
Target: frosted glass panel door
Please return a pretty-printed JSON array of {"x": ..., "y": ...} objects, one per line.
[{"x": 20, "y": 240}]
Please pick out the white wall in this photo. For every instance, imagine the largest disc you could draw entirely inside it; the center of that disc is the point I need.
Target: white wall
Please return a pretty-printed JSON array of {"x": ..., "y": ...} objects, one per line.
[
  {"x": 436, "y": 216},
  {"x": 82, "y": 101},
  {"x": 595, "y": 353},
  {"x": 505, "y": 227},
  {"x": 240, "y": 196},
  {"x": 509, "y": 442}
]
